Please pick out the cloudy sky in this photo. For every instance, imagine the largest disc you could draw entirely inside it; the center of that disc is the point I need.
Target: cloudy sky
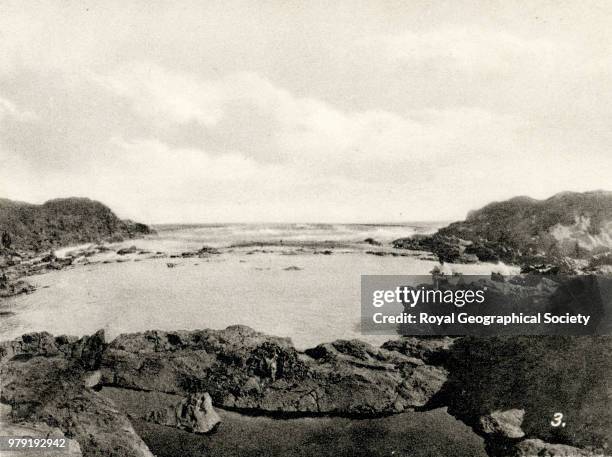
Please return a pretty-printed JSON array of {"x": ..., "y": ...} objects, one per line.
[{"x": 303, "y": 111}]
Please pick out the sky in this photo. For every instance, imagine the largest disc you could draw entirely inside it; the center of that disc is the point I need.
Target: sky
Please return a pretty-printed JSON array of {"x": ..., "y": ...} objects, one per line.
[{"x": 313, "y": 111}]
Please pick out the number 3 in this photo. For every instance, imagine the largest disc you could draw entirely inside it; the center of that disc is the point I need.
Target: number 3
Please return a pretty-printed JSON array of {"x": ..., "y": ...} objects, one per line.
[{"x": 557, "y": 420}]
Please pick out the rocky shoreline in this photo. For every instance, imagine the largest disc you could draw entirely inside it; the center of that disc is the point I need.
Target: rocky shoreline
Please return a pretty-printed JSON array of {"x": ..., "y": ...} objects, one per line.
[
  {"x": 30, "y": 234},
  {"x": 75, "y": 387},
  {"x": 55, "y": 382},
  {"x": 568, "y": 233},
  {"x": 17, "y": 265}
]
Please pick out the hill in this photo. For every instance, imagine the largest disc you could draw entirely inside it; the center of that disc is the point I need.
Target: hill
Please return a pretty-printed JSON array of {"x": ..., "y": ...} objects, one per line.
[
  {"x": 523, "y": 230},
  {"x": 61, "y": 222}
]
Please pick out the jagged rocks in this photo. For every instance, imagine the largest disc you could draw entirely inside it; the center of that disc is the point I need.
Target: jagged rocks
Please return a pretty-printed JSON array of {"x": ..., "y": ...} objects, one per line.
[
  {"x": 539, "y": 448},
  {"x": 50, "y": 390},
  {"x": 71, "y": 447},
  {"x": 10, "y": 288},
  {"x": 245, "y": 369},
  {"x": 129, "y": 250},
  {"x": 87, "y": 350},
  {"x": 204, "y": 252},
  {"x": 505, "y": 388},
  {"x": 430, "y": 349},
  {"x": 540, "y": 375},
  {"x": 545, "y": 236},
  {"x": 195, "y": 413},
  {"x": 504, "y": 423}
]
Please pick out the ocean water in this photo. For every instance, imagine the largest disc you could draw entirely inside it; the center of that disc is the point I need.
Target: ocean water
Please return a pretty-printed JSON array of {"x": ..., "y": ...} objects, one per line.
[
  {"x": 184, "y": 237},
  {"x": 316, "y": 300}
]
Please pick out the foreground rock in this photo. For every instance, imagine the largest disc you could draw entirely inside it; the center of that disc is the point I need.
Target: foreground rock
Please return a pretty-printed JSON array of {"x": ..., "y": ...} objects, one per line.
[
  {"x": 538, "y": 448},
  {"x": 510, "y": 387},
  {"x": 47, "y": 389},
  {"x": 244, "y": 369},
  {"x": 506, "y": 424},
  {"x": 506, "y": 388}
]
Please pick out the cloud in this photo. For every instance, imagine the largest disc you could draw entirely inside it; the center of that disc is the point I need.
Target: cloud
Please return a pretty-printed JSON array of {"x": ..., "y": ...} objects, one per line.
[
  {"x": 9, "y": 109},
  {"x": 472, "y": 51},
  {"x": 368, "y": 145},
  {"x": 260, "y": 152},
  {"x": 207, "y": 113}
]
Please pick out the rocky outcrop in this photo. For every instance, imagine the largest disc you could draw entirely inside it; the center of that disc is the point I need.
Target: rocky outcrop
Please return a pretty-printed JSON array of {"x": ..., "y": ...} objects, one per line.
[
  {"x": 244, "y": 369},
  {"x": 47, "y": 389},
  {"x": 203, "y": 252},
  {"x": 430, "y": 349},
  {"x": 446, "y": 248},
  {"x": 61, "y": 222},
  {"x": 505, "y": 424},
  {"x": 70, "y": 448},
  {"x": 550, "y": 233},
  {"x": 10, "y": 288},
  {"x": 539, "y": 448},
  {"x": 27, "y": 231},
  {"x": 86, "y": 350},
  {"x": 506, "y": 388}
]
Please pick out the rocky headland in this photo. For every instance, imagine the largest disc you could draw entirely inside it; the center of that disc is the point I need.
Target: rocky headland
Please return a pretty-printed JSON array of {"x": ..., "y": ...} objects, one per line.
[
  {"x": 568, "y": 232},
  {"x": 61, "y": 222},
  {"x": 29, "y": 234}
]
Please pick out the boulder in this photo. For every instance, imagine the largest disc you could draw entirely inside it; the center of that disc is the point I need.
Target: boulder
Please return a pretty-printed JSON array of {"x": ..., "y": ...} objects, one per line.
[
  {"x": 504, "y": 423},
  {"x": 372, "y": 241},
  {"x": 131, "y": 250},
  {"x": 195, "y": 413}
]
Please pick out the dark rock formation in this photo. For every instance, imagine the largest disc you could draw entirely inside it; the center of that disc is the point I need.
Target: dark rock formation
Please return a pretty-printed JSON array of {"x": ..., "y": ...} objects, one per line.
[
  {"x": 43, "y": 382},
  {"x": 203, "y": 252},
  {"x": 62, "y": 222},
  {"x": 492, "y": 381},
  {"x": 506, "y": 389},
  {"x": 539, "y": 448},
  {"x": 526, "y": 231},
  {"x": 244, "y": 369},
  {"x": 87, "y": 350},
  {"x": 38, "y": 429},
  {"x": 372, "y": 241},
  {"x": 10, "y": 288}
]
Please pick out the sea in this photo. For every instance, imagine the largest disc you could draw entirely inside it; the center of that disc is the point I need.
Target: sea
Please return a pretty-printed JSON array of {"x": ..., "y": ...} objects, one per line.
[{"x": 300, "y": 281}]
